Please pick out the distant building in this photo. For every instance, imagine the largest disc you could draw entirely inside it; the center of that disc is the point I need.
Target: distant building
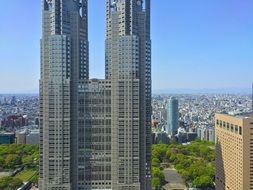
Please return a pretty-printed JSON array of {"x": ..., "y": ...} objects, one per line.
[
  {"x": 153, "y": 138},
  {"x": 33, "y": 137},
  {"x": 164, "y": 114},
  {"x": 234, "y": 150},
  {"x": 15, "y": 121},
  {"x": 161, "y": 138},
  {"x": 191, "y": 136},
  {"x": 13, "y": 100},
  {"x": 36, "y": 121},
  {"x": 206, "y": 133},
  {"x": 7, "y": 138},
  {"x": 211, "y": 134},
  {"x": 183, "y": 137},
  {"x": 21, "y": 137},
  {"x": 2, "y": 100},
  {"x": 28, "y": 137},
  {"x": 173, "y": 116}
]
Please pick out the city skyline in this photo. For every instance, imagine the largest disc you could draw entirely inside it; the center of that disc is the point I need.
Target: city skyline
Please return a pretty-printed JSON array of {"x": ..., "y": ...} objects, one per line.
[{"x": 219, "y": 38}]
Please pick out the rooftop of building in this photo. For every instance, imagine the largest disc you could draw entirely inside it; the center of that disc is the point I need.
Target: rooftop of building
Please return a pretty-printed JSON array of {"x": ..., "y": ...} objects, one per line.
[
  {"x": 238, "y": 115},
  {"x": 6, "y": 133},
  {"x": 245, "y": 115}
]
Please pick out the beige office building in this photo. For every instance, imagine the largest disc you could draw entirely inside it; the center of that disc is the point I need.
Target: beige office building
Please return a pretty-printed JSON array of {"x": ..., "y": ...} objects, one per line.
[{"x": 234, "y": 152}]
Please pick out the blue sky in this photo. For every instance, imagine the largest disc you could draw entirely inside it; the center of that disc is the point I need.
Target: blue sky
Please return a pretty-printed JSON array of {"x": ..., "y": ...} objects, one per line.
[{"x": 196, "y": 44}]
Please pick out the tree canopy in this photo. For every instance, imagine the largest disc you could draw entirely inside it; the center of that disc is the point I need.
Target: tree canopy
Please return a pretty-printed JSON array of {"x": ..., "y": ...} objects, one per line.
[
  {"x": 194, "y": 162},
  {"x": 13, "y": 156},
  {"x": 16, "y": 156},
  {"x": 7, "y": 183}
]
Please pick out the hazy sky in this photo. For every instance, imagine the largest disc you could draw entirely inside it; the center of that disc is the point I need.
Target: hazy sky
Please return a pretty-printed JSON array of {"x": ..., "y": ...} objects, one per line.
[{"x": 196, "y": 43}]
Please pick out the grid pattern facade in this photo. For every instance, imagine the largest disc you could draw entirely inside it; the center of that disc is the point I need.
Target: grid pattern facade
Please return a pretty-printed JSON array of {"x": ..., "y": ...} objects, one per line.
[
  {"x": 234, "y": 152},
  {"x": 64, "y": 62},
  {"x": 94, "y": 135},
  {"x": 128, "y": 66}
]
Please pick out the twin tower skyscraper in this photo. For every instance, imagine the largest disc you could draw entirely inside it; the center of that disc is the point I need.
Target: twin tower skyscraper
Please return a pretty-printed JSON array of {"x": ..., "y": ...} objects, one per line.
[{"x": 95, "y": 133}]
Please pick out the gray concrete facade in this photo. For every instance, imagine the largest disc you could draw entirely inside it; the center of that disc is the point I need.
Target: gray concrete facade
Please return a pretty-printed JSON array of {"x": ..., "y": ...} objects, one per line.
[
  {"x": 95, "y": 133},
  {"x": 64, "y": 62},
  {"x": 128, "y": 66}
]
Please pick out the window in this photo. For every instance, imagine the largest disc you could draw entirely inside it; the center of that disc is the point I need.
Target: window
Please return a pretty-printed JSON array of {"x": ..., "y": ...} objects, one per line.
[
  {"x": 236, "y": 128},
  {"x": 227, "y": 126},
  {"x": 240, "y": 130},
  {"x": 232, "y": 128}
]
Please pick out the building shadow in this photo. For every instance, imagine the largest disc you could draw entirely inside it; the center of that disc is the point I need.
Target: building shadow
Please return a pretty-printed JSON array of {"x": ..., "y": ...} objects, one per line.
[{"x": 220, "y": 179}]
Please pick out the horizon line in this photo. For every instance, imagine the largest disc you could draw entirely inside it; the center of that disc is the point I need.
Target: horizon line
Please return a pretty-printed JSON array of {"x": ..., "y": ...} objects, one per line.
[{"x": 229, "y": 90}]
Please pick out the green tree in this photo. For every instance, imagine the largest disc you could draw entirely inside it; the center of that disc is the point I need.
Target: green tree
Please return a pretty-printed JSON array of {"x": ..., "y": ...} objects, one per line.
[
  {"x": 14, "y": 155},
  {"x": 168, "y": 153},
  {"x": 12, "y": 160},
  {"x": 173, "y": 157},
  {"x": 210, "y": 170},
  {"x": 203, "y": 182},
  {"x": 15, "y": 183},
  {"x": 156, "y": 183},
  {"x": 156, "y": 172},
  {"x": 194, "y": 162},
  {"x": 186, "y": 175},
  {"x": 159, "y": 151},
  {"x": 155, "y": 162},
  {"x": 10, "y": 183},
  {"x": 35, "y": 179},
  {"x": 3, "y": 149},
  {"x": 28, "y": 161},
  {"x": 2, "y": 162}
]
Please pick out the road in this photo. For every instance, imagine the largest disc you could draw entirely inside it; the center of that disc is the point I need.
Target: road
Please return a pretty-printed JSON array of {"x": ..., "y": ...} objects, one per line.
[{"x": 175, "y": 181}]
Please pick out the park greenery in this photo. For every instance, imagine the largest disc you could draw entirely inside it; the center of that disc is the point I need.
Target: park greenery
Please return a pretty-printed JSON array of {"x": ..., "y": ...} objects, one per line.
[
  {"x": 10, "y": 183},
  {"x": 22, "y": 162},
  {"x": 194, "y": 162}
]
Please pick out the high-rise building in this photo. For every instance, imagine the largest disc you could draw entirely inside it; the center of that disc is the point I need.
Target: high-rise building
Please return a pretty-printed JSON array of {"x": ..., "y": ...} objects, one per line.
[
  {"x": 234, "y": 150},
  {"x": 128, "y": 66},
  {"x": 95, "y": 134},
  {"x": 64, "y": 64},
  {"x": 173, "y": 116}
]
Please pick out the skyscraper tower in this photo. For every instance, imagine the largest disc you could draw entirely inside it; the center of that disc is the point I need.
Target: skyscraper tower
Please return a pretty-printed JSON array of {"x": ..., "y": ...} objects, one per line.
[
  {"x": 128, "y": 66},
  {"x": 64, "y": 62},
  {"x": 95, "y": 134},
  {"x": 172, "y": 118}
]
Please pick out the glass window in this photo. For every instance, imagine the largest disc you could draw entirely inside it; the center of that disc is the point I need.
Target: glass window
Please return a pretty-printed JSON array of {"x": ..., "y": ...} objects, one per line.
[
  {"x": 236, "y": 129},
  {"x": 240, "y": 130},
  {"x": 232, "y": 128}
]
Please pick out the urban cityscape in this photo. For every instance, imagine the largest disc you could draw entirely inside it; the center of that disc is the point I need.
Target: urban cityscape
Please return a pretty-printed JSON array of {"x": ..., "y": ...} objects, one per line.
[
  {"x": 80, "y": 132},
  {"x": 19, "y": 118}
]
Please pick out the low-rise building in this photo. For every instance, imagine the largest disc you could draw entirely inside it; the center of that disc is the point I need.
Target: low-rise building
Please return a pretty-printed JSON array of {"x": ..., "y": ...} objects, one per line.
[{"x": 7, "y": 138}]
